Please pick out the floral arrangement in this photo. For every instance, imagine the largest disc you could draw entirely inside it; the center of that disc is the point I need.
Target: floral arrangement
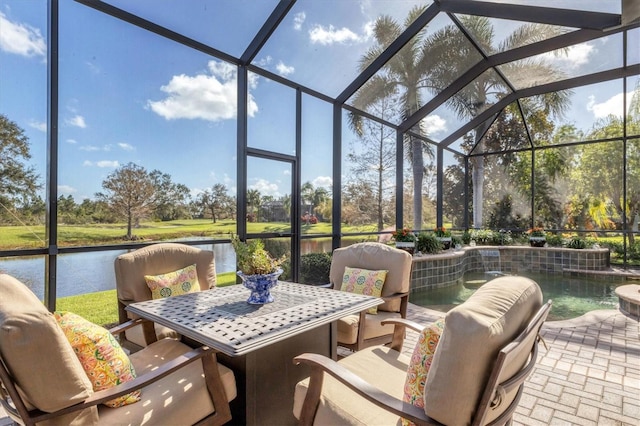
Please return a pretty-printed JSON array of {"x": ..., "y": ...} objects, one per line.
[
  {"x": 253, "y": 258},
  {"x": 404, "y": 235},
  {"x": 536, "y": 232},
  {"x": 441, "y": 231}
]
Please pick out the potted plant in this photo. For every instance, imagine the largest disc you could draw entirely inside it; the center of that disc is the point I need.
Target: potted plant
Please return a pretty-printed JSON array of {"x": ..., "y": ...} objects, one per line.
[
  {"x": 537, "y": 237},
  {"x": 405, "y": 239},
  {"x": 428, "y": 243},
  {"x": 258, "y": 270},
  {"x": 444, "y": 236}
]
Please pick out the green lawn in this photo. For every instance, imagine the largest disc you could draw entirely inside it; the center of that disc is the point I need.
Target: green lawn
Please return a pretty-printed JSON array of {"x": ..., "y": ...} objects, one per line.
[
  {"x": 102, "y": 307},
  {"x": 13, "y": 237}
]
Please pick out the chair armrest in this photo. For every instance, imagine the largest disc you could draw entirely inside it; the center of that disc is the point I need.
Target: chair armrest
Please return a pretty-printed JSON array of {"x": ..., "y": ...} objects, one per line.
[
  {"x": 137, "y": 383},
  {"x": 121, "y": 328},
  {"x": 402, "y": 322},
  {"x": 399, "y": 327},
  {"x": 320, "y": 364}
]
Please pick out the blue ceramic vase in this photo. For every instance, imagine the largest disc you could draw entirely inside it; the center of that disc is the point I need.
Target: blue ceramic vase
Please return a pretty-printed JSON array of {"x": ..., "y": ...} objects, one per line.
[{"x": 260, "y": 286}]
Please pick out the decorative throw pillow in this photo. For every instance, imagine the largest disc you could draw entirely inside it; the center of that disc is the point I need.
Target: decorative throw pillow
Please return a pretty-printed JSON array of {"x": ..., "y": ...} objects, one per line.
[
  {"x": 101, "y": 356},
  {"x": 174, "y": 283},
  {"x": 419, "y": 365},
  {"x": 364, "y": 281}
]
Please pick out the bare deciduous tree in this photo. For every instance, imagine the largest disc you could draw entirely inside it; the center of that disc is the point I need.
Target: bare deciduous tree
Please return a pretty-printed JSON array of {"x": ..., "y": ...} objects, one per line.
[{"x": 130, "y": 194}]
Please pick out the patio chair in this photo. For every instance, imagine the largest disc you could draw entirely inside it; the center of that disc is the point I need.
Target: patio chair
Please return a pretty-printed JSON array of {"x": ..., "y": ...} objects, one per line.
[
  {"x": 356, "y": 332},
  {"x": 487, "y": 348},
  {"x": 160, "y": 258},
  {"x": 43, "y": 381}
]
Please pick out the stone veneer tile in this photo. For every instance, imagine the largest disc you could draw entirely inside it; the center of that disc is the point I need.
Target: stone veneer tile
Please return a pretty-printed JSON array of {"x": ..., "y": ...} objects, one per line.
[{"x": 447, "y": 269}]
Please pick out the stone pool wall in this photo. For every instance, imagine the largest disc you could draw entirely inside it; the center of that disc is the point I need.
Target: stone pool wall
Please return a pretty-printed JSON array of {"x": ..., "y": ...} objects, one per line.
[{"x": 445, "y": 269}]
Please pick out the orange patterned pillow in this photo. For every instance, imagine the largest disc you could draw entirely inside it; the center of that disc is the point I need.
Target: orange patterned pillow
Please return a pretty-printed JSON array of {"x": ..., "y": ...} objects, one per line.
[
  {"x": 364, "y": 281},
  {"x": 174, "y": 283},
  {"x": 419, "y": 365},
  {"x": 101, "y": 356}
]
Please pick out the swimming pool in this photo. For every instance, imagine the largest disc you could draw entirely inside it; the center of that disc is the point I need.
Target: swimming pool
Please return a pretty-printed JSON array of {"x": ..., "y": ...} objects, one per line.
[{"x": 572, "y": 296}]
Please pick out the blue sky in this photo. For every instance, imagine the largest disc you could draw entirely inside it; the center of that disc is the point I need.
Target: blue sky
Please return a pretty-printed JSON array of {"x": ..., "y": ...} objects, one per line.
[{"x": 129, "y": 96}]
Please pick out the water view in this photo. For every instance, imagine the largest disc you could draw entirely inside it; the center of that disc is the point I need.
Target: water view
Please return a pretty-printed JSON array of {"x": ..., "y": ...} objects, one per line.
[{"x": 80, "y": 273}]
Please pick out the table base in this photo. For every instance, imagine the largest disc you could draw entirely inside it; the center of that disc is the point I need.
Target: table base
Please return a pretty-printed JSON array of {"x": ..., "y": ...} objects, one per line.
[{"x": 266, "y": 378}]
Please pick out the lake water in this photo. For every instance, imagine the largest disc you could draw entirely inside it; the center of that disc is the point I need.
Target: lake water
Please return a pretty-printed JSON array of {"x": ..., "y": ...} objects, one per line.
[{"x": 80, "y": 273}]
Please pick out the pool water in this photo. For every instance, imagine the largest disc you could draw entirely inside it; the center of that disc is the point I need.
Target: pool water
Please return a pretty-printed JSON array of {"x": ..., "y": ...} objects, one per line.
[{"x": 572, "y": 296}]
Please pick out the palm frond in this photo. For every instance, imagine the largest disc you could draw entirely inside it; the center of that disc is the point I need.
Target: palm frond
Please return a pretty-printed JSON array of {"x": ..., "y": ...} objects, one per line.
[{"x": 530, "y": 33}]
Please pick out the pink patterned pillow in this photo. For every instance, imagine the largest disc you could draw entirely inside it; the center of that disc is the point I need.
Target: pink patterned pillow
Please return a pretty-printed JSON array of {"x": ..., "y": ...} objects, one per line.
[
  {"x": 419, "y": 365},
  {"x": 364, "y": 281}
]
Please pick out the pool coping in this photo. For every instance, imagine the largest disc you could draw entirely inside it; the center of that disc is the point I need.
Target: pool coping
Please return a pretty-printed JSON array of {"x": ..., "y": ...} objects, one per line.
[{"x": 629, "y": 299}]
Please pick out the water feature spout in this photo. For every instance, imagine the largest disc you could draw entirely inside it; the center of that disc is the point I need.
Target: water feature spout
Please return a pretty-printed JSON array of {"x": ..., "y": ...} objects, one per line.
[{"x": 491, "y": 262}]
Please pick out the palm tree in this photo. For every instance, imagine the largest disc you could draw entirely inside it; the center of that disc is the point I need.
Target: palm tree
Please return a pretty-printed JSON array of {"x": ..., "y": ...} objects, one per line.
[
  {"x": 449, "y": 50},
  {"x": 404, "y": 76},
  {"x": 286, "y": 205},
  {"x": 320, "y": 194},
  {"x": 253, "y": 200}
]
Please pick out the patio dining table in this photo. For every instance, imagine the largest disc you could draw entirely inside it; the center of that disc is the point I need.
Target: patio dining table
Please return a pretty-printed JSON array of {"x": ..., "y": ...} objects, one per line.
[{"x": 259, "y": 341}]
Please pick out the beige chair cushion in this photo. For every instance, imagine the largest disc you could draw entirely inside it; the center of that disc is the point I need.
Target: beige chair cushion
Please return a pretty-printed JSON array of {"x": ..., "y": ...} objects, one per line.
[
  {"x": 38, "y": 355},
  {"x": 384, "y": 368},
  {"x": 178, "y": 399},
  {"x": 375, "y": 256},
  {"x": 136, "y": 335},
  {"x": 130, "y": 268},
  {"x": 474, "y": 333},
  {"x": 348, "y": 326}
]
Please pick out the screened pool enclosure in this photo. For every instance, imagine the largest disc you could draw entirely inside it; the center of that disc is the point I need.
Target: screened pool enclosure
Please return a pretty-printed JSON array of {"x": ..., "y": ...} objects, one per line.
[{"x": 311, "y": 124}]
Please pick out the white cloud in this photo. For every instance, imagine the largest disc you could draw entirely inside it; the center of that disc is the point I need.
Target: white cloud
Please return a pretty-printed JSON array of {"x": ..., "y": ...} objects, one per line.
[
  {"x": 574, "y": 57},
  {"x": 331, "y": 35},
  {"x": 21, "y": 39},
  {"x": 323, "y": 181},
  {"x": 368, "y": 29},
  {"x": 93, "y": 68},
  {"x": 211, "y": 96},
  {"x": 265, "y": 187},
  {"x": 434, "y": 124},
  {"x": 298, "y": 20},
  {"x": 612, "y": 106},
  {"x": 287, "y": 172},
  {"x": 108, "y": 163},
  {"x": 102, "y": 164},
  {"x": 38, "y": 125},
  {"x": 265, "y": 61},
  {"x": 283, "y": 69},
  {"x": 72, "y": 141},
  {"x": 126, "y": 146},
  {"x": 66, "y": 189},
  {"x": 77, "y": 121},
  {"x": 93, "y": 148}
]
